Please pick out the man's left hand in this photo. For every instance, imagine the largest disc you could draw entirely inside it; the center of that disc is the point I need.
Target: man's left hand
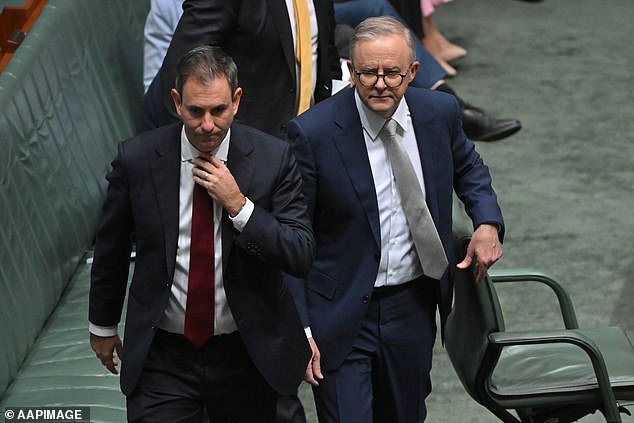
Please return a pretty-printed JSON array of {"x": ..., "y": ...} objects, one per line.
[{"x": 486, "y": 247}]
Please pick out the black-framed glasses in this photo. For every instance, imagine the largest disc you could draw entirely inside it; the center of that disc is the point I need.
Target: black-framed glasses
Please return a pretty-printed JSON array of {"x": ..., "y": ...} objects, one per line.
[{"x": 390, "y": 79}]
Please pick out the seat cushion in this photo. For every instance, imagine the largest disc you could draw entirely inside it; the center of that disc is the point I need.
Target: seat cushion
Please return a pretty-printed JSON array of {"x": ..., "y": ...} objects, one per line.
[
  {"x": 546, "y": 368},
  {"x": 61, "y": 369}
]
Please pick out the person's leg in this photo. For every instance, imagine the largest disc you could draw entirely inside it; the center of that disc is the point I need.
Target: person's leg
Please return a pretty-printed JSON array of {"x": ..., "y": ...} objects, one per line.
[
  {"x": 290, "y": 410},
  {"x": 235, "y": 391},
  {"x": 354, "y": 12},
  {"x": 180, "y": 381},
  {"x": 402, "y": 374},
  {"x": 436, "y": 43},
  {"x": 344, "y": 395},
  {"x": 168, "y": 389},
  {"x": 385, "y": 378}
]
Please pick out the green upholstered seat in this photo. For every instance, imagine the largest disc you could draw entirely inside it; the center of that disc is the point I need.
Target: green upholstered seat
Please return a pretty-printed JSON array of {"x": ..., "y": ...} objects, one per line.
[
  {"x": 544, "y": 376},
  {"x": 61, "y": 369},
  {"x": 71, "y": 92}
]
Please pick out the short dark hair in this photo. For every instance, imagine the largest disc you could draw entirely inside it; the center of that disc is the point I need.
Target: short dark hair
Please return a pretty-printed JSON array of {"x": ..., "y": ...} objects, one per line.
[{"x": 206, "y": 63}]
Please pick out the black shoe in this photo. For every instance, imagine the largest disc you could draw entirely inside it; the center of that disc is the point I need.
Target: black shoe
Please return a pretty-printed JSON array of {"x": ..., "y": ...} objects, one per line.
[{"x": 480, "y": 127}]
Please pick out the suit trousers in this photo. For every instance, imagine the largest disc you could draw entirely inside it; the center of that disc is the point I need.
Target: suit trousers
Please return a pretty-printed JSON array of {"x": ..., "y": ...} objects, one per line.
[
  {"x": 180, "y": 383},
  {"x": 386, "y": 376}
]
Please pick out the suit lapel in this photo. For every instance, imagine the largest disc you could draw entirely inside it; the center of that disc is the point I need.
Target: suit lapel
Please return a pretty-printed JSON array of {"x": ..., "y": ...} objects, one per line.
[
  {"x": 165, "y": 174},
  {"x": 426, "y": 133},
  {"x": 240, "y": 163},
  {"x": 350, "y": 144},
  {"x": 279, "y": 14}
]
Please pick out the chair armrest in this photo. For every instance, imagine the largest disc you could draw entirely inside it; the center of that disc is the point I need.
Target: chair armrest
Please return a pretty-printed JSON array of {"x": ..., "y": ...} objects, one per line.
[
  {"x": 530, "y": 275},
  {"x": 573, "y": 337}
]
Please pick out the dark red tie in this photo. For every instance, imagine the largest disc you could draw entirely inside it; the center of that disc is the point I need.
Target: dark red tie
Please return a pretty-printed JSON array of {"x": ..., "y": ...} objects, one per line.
[{"x": 199, "y": 312}]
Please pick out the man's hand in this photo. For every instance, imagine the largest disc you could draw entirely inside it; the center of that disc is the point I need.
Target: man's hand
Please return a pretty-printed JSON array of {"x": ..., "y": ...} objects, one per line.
[
  {"x": 485, "y": 246},
  {"x": 212, "y": 174},
  {"x": 104, "y": 347},
  {"x": 313, "y": 370}
]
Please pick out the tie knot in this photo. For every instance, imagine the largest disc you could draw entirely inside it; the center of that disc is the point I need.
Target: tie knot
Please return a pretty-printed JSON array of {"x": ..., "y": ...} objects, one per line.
[{"x": 390, "y": 127}]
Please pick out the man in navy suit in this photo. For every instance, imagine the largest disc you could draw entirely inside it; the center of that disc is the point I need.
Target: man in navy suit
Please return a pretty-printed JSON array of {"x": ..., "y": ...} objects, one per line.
[
  {"x": 246, "y": 346},
  {"x": 367, "y": 304}
]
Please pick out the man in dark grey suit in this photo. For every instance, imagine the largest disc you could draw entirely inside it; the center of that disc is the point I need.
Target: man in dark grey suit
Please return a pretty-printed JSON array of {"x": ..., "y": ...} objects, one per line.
[{"x": 251, "y": 348}]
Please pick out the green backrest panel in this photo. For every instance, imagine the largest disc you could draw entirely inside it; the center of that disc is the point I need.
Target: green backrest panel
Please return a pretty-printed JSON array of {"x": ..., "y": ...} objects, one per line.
[
  {"x": 71, "y": 92},
  {"x": 473, "y": 315}
]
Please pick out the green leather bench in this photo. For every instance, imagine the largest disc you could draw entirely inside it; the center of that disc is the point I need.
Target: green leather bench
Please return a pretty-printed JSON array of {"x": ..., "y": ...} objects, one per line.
[{"x": 71, "y": 92}]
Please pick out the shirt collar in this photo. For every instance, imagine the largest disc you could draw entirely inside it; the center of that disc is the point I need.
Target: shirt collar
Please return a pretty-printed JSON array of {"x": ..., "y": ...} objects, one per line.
[
  {"x": 372, "y": 123},
  {"x": 188, "y": 151}
]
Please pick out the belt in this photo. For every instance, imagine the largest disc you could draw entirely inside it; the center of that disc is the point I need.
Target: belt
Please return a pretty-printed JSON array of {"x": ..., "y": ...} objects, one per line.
[
  {"x": 391, "y": 289},
  {"x": 163, "y": 336}
]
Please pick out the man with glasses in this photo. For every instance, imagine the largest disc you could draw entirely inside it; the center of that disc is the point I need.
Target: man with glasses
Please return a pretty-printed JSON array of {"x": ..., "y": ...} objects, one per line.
[{"x": 379, "y": 164}]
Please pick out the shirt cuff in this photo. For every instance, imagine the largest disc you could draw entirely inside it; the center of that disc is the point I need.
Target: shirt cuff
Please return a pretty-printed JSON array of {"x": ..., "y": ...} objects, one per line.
[
  {"x": 102, "y": 330},
  {"x": 241, "y": 219},
  {"x": 309, "y": 333}
]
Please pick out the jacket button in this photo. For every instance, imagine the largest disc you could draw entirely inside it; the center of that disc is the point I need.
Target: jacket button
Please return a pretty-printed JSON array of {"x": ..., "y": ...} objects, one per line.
[
  {"x": 377, "y": 257},
  {"x": 365, "y": 299}
]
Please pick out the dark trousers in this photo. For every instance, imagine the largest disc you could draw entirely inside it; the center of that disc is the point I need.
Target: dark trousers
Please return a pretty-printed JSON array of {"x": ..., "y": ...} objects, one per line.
[
  {"x": 290, "y": 409},
  {"x": 385, "y": 378},
  {"x": 180, "y": 382}
]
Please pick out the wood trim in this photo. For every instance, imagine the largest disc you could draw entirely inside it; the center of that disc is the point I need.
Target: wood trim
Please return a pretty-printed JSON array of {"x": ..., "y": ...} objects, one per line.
[{"x": 15, "y": 23}]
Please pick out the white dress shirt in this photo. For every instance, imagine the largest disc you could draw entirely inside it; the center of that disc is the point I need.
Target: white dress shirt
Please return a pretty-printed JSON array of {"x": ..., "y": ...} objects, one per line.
[
  {"x": 399, "y": 262},
  {"x": 173, "y": 319}
]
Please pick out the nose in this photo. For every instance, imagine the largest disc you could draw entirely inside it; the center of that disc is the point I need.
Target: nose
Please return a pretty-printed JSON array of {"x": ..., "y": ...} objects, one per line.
[
  {"x": 207, "y": 123},
  {"x": 380, "y": 83}
]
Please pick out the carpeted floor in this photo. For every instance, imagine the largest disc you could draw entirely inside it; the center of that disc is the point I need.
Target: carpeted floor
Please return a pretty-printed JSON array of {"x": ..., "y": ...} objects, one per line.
[{"x": 565, "y": 68}]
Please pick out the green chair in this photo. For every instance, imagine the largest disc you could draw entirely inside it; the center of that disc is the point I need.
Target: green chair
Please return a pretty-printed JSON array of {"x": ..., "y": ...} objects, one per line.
[{"x": 545, "y": 376}]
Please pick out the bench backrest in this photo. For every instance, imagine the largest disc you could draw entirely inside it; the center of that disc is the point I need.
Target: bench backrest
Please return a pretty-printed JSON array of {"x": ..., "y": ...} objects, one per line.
[{"x": 71, "y": 92}]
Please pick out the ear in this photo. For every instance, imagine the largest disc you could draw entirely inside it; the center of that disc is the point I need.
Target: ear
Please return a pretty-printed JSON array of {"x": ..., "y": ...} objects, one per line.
[
  {"x": 237, "y": 95},
  {"x": 353, "y": 76},
  {"x": 413, "y": 70},
  {"x": 177, "y": 100}
]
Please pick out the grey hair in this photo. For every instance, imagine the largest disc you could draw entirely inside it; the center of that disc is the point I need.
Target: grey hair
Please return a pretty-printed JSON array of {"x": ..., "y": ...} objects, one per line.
[
  {"x": 206, "y": 63},
  {"x": 377, "y": 26}
]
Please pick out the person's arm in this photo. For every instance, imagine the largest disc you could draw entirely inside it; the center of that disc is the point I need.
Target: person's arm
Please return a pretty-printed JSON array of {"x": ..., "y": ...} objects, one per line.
[
  {"x": 281, "y": 234},
  {"x": 473, "y": 185},
  {"x": 109, "y": 274},
  {"x": 159, "y": 27}
]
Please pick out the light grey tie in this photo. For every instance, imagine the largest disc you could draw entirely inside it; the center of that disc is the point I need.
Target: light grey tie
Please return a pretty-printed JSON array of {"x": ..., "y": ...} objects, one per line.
[{"x": 426, "y": 240}]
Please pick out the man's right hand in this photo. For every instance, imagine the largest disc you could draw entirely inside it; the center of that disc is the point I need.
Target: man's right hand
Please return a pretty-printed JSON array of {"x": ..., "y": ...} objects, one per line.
[
  {"x": 105, "y": 347},
  {"x": 313, "y": 370}
]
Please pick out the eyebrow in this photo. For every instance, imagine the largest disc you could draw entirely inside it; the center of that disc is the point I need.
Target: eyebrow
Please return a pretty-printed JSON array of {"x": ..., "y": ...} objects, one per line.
[{"x": 375, "y": 69}]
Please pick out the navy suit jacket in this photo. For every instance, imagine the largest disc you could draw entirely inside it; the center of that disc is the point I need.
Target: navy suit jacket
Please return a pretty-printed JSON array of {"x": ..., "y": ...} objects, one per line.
[
  {"x": 329, "y": 146},
  {"x": 257, "y": 35},
  {"x": 143, "y": 201}
]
